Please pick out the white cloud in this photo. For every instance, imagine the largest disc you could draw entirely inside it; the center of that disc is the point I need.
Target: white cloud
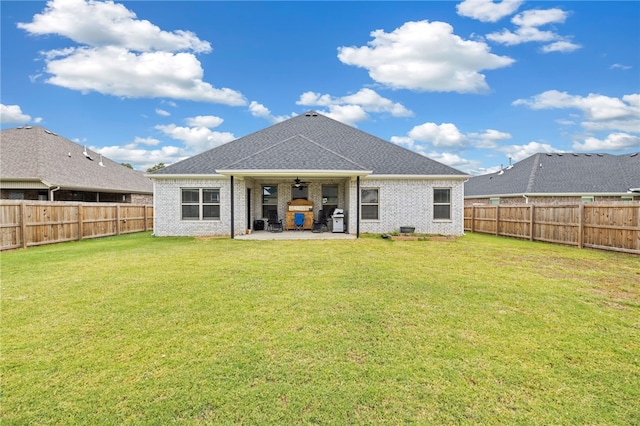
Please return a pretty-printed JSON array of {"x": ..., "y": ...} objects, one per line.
[
  {"x": 146, "y": 141},
  {"x": 520, "y": 152},
  {"x": 209, "y": 121},
  {"x": 594, "y": 106},
  {"x": 445, "y": 135},
  {"x": 122, "y": 56},
  {"x": 561, "y": 46},
  {"x": 96, "y": 23},
  {"x": 259, "y": 110},
  {"x": 613, "y": 142},
  {"x": 619, "y": 67},
  {"x": 425, "y": 56},
  {"x": 471, "y": 167},
  {"x": 538, "y": 18},
  {"x": 162, "y": 112},
  {"x": 140, "y": 158},
  {"x": 527, "y": 30},
  {"x": 487, "y": 10},
  {"x": 348, "y": 114},
  {"x": 197, "y": 139},
  {"x": 367, "y": 99},
  {"x": 600, "y": 114},
  {"x": 12, "y": 114},
  {"x": 489, "y": 139},
  {"x": 119, "y": 72},
  {"x": 424, "y": 137}
]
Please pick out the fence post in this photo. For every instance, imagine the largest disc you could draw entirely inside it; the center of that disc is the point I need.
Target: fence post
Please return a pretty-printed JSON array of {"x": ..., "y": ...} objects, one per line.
[
  {"x": 580, "y": 225},
  {"x": 531, "y": 222},
  {"x": 117, "y": 219},
  {"x": 80, "y": 220},
  {"x": 145, "y": 218},
  {"x": 498, "y": 220},
  {"x": 23, "y": 223},
  {"x": 473, "y": 218}
]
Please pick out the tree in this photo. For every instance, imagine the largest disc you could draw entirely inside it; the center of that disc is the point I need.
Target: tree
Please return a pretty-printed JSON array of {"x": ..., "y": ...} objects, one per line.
[
  {"x": 156, "y": 167},
  {"x": 127, "y": 165}
]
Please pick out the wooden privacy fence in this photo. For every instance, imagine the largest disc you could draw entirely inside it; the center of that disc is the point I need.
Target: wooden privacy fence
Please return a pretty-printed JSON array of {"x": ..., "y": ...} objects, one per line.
[
  {"x": 32, "y": 223},
  {"x": 613, "y": 227}
]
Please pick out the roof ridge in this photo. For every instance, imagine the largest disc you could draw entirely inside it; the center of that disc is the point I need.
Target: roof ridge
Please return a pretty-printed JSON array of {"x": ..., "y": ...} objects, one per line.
[{"x": 532, "y": 176}]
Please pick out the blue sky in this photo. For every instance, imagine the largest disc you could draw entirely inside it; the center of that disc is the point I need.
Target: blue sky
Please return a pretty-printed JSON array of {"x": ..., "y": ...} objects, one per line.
[{"x": 472, "y": 84}]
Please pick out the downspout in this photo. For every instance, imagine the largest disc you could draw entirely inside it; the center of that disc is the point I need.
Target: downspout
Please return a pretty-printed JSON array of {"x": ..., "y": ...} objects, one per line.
[
  {"x": 357, "y": 206},
  {"x": 526, "y": 199},
  {"x": 51, "y": 191},
  {"x": 232, "y": 210}
]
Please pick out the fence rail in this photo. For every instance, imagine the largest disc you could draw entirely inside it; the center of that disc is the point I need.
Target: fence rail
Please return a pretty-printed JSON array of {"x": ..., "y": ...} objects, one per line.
[
  {"x": 613, "y": 227},
  {"x": 31, "y": 223}
]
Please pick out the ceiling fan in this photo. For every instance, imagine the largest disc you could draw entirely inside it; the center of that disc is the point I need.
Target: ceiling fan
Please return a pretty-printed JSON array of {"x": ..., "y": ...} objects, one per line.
[{"x": 298, "y": 183}]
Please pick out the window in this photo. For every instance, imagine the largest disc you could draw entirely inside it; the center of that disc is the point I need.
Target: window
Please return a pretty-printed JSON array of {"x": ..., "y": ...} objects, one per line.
[
  {"x": 494, "y": 201},
  {"x": 369, "y": 204},
  {"x": 441, "y": 204},
  {"x": 329, "y": 198},
  {"x": 587, "y": 199},
  {"x": 269, "y": 199},
  {"x": 626, "y": 198},
  {"x": 201, "y": 204}
]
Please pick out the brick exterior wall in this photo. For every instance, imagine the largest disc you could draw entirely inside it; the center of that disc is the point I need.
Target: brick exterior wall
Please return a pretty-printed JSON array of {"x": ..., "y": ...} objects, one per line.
[
  {"x": 406, "y": 202},
  {"x": 409, "y": 202}
]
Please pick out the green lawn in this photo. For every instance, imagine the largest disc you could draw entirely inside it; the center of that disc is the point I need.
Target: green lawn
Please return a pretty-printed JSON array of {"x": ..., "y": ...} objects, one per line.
[{"x": 142, "y": 330}]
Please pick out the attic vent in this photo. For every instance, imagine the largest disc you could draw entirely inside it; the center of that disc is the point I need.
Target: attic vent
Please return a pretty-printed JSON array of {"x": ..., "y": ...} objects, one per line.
[
  {"x": 549, "y": 154},
  {"x": 311, "y": 114},
  {"x": 599, "y": 155},
  {"x": 50, "y": 132},
  {"x": 559, "y": 154},
  {"x": 575, "y": 155},
  {"x": 634, "y": 154},
  {"x": 588, "y": 155}
]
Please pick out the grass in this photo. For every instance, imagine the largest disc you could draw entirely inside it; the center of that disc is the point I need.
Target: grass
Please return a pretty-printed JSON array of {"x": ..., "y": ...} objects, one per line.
[{"x": 484, "y": 330}]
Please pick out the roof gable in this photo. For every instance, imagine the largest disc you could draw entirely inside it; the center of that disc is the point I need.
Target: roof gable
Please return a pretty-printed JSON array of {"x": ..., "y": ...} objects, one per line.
[
  {"x": 35, "y": 153},
  {"x": 296, "y": 153},
  {"x": 331, "y": 145}
]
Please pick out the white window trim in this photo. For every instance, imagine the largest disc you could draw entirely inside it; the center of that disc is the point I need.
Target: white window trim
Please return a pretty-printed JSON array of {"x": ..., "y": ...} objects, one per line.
[
  {"x": 369, "y": 204},
  {"x": 439, "y": 220},
  {"x": 200, "y": 205}
]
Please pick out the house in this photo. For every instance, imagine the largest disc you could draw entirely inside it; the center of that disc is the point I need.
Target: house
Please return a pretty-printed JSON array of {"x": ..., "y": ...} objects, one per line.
[
  {"x": 308, "y": 163},
  {"x": 37, "y": 164},
  {"x": 556, "y": 178}
]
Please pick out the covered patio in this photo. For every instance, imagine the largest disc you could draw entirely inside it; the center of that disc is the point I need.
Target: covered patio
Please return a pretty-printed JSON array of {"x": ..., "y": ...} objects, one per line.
[{"x": 295, "y": 235}]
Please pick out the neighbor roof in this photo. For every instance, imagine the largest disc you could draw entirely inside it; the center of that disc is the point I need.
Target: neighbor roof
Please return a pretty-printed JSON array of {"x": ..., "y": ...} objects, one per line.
[
  {"x": 33, "y": 153},
  {"x": 560, "y": 173},
  {"x": 314, "y": 143}
]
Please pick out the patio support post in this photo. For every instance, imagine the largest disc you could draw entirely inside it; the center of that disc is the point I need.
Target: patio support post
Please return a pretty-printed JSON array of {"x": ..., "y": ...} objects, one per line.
[
  {"x": 232, "y": 209},
  {"x": 358, "y": 207}
]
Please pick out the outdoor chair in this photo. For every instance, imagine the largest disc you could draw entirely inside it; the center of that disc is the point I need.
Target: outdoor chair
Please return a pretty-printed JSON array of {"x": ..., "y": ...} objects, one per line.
[
  {"x": 298, "y": 221},
  {"x": 273, "y": 223},
  {"x": 321, "y": 223}
]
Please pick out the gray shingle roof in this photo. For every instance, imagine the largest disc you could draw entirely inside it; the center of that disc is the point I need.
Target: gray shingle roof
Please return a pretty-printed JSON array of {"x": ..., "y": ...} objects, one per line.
[
  {"x": 34, "y": 153},
  {"x": 566, "y": 173},
  {"x": 311, "y": 141}
]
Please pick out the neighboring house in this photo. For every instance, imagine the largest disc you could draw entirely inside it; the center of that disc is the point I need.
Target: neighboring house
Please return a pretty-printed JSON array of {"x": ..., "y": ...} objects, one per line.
[
  {"x": 379, "y": 185},
  {"x": 37, "y": 164},
  {"x": 559, "y": 178}
]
